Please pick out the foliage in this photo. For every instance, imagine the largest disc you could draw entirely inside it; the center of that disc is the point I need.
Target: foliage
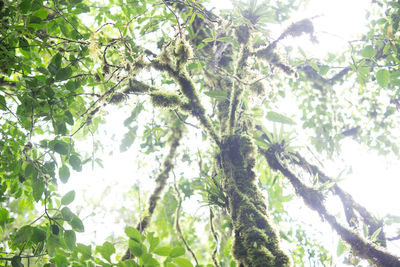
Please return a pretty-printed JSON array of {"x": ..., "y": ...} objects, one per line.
[{"x": 226, "y": 77}]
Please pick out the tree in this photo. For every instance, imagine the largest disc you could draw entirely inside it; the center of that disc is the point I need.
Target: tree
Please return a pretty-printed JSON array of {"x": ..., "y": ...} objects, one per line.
[{"x": 183, "y": 69}]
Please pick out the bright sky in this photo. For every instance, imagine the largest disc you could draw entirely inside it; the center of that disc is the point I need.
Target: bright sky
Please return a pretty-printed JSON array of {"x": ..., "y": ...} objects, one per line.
[{"x": 340, "y": 20}]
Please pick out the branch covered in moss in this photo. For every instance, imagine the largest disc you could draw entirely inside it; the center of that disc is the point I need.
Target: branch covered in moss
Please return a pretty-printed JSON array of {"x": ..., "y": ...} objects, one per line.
[
  {"x": 161, "y": 180},
  {"x": 255, "y": 240},
  {"x": 349, "y": 204},
  {"x": 315, "y": 200},
  {"x": 268, "y": 53},
  {"x": 164, "y": 62},
  {"x": 241, "y": 71}
]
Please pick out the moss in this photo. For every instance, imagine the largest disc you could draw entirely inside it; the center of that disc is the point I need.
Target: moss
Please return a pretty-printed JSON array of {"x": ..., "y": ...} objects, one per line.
[
  {"x": 242, "y": 33},
  {"x": 183, "y": 51},
  {"x": 165, "y": 100},
  {"x": 135, "y": 86},
  {"x": 117, "y": 98},
  {"x": 256, "y": 242},
  {"x": 257, "y": 88}
]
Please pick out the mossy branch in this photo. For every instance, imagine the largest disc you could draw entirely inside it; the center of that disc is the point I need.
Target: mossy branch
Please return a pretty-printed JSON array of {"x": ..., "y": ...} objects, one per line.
[
  {"x": 193, "y": 105},
  {"x": 315, "y": 200},
  {"x": 268, "y": 53},
  {"x": 161, "y": 180},
  {"x": 255, "y": 241},
  {"x": 349, "y": 204},
  {"x": 241, "y": 71}
]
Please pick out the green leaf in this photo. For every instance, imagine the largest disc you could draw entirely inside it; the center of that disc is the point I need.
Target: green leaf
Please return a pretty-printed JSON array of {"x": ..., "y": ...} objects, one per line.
[
  {"x": 75, "y": 163},
  {"x": 41, "y": 13},
  {"x": 341, "y": 248},
  {"x": 69, "y": 118},
  {"x": 136, "y": 248},
  {"x": 86, "y": 251},
  {"x": 128, "y": 263},
  {"x": 38, "y": 235},
  {"x": 63, "y": 74},
  {"x": 3, "y": 105},
  {"x": 106, "y": 250},
  {"x": 25, "y": 6},
  {"x": 220, "y": 95},
  {"x": 382, "y": 76},
  {"x": 16, "y": 262},
  {"x": 67, "y": 214},
  {"x": 182, "y": 262},
  {"x": 23, "y": 234},
  {"x": 176, "y": 252},
  {"x": 276, "y": 117},
  {"x": 368, "y": 51},
  {"x": 60, "y": 261},
  {"x": 76, "y": 224},
  {"x": 163, "y": 251},
  {"x": 68, "y": 198},
  {"x": 64, "y": 173},
  {"x": 61, "y": 148},
  {"x": 375, "y": 234},
  {"x": 4, "y": 214},
  {"x": 207, "y": 40},
  {"x": 70, "y": 239},
  {"x": 53, "y": 242},
  {"x": 133, "y": 233},
  {"x": 30, "y": 170},
  {"x": 37, "y": 189}
]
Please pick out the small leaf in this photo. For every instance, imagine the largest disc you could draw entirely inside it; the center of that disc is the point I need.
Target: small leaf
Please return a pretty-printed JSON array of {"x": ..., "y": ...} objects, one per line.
[
  {"x": 133, "y": 233},
  {"x": 375, "y": 234},
  {"x": 37, "y": 189},
  {"x": 176, "y": 252},
  {"x": 68, "y": 198},
  {"x": 76, "y": 224},
  {"x": 3, "y": 105},
  {"x": 16, "y": 262},
  {"x": 63, "y": 74},
  {"x": 341, "y": 248},
  {"x": 70, "y": 239},
  {"x": 368, "y": 51},
  {"x": 182, "y": 262},
  {"x": 163, "y": 251},
  {"x": 207, "y": 40},
  {"x": 220, "y": 95},
  {"x": 135, "y": 248},
  {"x": 86, "y": 251},
  {"x": 67, "y": 214},
  {"x": 41, "y": 13},
  {"x": 276, "y": 117},
  {"x": 64, "y": 173},
  {"x": 61, "y": 148},
  {"x": 75, "y": 163},
  {"x": 382, "y": 76},
  {"x": 106, "y": 250},
  {"x": 23, "y": 234},
  {"x": 38, "y": 235}
]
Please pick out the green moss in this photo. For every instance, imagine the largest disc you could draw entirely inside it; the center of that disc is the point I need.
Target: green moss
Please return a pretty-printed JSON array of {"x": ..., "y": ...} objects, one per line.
[
  {"x": 183, "y": 51},
  {"x": 256, "y": 242},
  {"x": 165, "y": 100},
  {"x": 242, "y": 33},
  {"x": 135, "y": 86}
]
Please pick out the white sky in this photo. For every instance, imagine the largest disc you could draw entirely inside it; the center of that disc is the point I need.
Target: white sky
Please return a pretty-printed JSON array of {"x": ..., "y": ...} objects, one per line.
[{"x": 340, "y": 18}]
